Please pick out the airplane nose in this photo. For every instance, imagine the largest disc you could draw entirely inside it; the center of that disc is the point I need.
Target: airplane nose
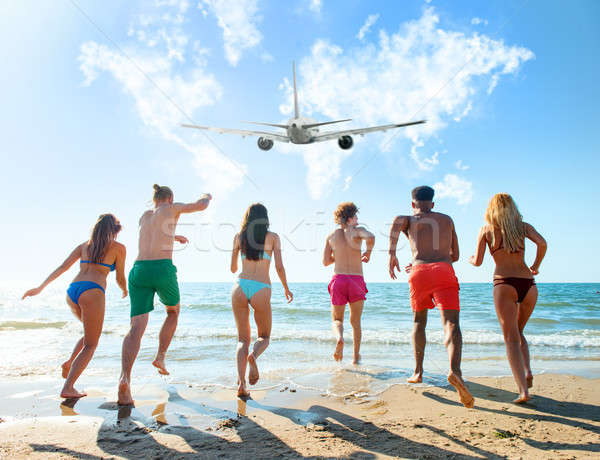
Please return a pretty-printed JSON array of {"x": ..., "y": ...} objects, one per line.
[{"x": 293, "y": 125}]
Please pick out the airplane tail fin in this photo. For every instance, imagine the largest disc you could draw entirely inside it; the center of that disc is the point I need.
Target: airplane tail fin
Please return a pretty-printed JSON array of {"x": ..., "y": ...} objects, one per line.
[
  {"x": 314, "y": 125},
  {"x": 296, "y": 111}
]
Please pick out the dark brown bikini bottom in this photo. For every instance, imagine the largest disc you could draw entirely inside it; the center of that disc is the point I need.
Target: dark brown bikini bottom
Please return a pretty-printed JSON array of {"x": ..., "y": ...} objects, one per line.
[{"x": 521, "y": 285}]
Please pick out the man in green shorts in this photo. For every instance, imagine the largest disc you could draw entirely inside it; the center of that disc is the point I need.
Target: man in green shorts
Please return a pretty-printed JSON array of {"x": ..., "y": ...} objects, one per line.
[{"x": 154, "y": 272}]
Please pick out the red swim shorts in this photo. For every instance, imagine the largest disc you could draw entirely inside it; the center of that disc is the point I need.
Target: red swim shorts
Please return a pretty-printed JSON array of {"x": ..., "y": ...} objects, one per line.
[
  {"x": 431, "y": 283},
  {"x": 347, "y": 288}
]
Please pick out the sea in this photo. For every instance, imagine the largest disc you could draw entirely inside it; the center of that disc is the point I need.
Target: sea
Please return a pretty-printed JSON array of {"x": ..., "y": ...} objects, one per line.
[{"x": 38, "y": 334}]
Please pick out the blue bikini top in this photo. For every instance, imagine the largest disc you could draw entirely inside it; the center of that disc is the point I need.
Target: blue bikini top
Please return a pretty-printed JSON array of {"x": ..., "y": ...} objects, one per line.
[
  {"x": 111, "y": 266},
  {"x": 264, "y": 256}
]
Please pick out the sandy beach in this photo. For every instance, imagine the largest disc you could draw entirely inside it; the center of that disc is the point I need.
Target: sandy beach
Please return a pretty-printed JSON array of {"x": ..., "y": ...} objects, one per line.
[{"x": 562, "y": 421}]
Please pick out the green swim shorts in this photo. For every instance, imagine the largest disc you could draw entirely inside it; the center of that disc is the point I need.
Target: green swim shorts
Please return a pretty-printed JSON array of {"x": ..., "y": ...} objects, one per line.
[{"x": 149, "y": 276}]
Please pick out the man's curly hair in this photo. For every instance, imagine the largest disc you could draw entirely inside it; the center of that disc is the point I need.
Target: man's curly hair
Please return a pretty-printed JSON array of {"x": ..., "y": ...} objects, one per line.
[{"x": 344, "y": 212}]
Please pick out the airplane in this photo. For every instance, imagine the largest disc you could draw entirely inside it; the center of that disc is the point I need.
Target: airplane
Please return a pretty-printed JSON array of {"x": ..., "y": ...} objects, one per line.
[{"x": 303, "y": 130}]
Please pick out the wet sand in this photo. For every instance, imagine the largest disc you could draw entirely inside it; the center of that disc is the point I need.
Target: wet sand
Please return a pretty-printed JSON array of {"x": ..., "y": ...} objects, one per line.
[{"x": 176, "y": 421}]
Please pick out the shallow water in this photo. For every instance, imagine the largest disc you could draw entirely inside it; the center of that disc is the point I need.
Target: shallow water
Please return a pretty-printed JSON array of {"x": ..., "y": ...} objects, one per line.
[{"x": 564, "y": 335}]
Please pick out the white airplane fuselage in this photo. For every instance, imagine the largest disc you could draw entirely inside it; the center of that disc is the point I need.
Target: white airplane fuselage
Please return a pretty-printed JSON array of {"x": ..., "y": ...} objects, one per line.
[{"x": 298, "y": 134}]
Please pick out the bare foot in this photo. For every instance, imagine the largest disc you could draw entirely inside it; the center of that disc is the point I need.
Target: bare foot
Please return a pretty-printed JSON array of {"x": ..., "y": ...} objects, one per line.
[
  {"x": 253, "y": 375},
  {"x": 66, "y": 367},
  {"x": 338, "y": 354},
  {"x": 416, "y": 378},
  {"x": 69, "y": 393},
  {"x": 160, "y": 365},
  {"x": 356, "y": 359},
  {"x": 529, "y": 381},
  {"x": 125, "y": 398},
  {"x": 522, "y": 399},
  {"x": 242, "y": 392},
  {"x": 463, "y": 392}
]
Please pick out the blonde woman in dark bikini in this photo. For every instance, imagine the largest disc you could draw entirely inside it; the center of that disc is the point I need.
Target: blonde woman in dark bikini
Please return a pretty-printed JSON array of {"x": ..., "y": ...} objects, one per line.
[
  {"x": 257, "y": 245},
  {"x": 515, "y": 292},
  {"x": 85, "y": 295}
]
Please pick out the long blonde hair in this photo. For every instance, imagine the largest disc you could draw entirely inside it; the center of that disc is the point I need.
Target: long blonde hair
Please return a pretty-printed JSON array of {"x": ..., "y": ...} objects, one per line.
[{"x": 502, "y": 214}]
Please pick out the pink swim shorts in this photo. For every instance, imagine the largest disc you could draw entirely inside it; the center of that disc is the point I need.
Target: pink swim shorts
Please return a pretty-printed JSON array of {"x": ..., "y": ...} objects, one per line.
[{"x": 347, "y": 288}]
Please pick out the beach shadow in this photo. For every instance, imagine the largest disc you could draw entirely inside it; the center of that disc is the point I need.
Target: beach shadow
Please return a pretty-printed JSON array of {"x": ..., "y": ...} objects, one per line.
[
  {"x": 549, "y": 445},
  {"x": 539, "y": 402},
  {"x": 522, "y": 415},
  {"x": 466, "y": 445},
  {"x": 51, "y": 448},
  {"x": 369, "y": 436}
]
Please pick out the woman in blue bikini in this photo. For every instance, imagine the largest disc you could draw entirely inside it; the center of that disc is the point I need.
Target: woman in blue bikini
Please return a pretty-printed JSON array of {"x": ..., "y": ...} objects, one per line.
[
  {"x": 85, "y": 295},
  {"x": 256, "y": 244}
]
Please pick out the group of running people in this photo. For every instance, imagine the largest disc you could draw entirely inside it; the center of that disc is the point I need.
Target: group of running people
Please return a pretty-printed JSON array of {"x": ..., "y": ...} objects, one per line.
[{"x": 432, "y": 282}]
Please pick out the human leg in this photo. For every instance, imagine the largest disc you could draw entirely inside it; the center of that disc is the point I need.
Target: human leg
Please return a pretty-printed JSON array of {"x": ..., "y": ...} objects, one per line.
[
  {"x": 130, "y": 350},
  {"x": 356, "y": 309},
  {"x": 261, "y": 304},
  {"x": 164, "y": 339},
  {"x": 337, "y": 316},
  {"x": 419, "y": 341},
  {"x": 505, "y": 301},
  {"x": 524, "y": 312},
  {"x": 92, "y": 304},
  {"x": 241, "y": 314}
]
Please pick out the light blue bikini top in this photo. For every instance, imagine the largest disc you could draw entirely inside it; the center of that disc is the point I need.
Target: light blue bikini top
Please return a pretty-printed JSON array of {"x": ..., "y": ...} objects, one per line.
[
  {"x": 111, "y": 266},
  {"x": 264, "y": 256}
]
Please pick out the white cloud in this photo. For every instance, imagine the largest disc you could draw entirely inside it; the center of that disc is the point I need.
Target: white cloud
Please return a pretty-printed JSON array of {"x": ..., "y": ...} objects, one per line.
[
  {"x": 459, "y": 165},
  {"x": 477, "y": 21},
  {"x": 347, "y": 183},
  {"x": 454, "y": 187},
  {"x": 364, "y": 30},
  {"x": 238, "y": 19},
  {"x": 315, "y": 5},
  {"x": 420, "y": 71},
  {"x": 163, "y": 97}
]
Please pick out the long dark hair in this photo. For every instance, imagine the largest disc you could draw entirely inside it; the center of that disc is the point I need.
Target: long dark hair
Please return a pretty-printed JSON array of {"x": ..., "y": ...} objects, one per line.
[
  {"x": 105, "y": 230},
  {"x": 255, "y": 226}
]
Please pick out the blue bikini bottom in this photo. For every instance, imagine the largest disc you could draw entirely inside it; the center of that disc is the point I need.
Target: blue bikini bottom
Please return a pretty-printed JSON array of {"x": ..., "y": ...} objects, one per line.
[
  {"x": 79, "y": 287},
  {"x": 251, "y": 287}
]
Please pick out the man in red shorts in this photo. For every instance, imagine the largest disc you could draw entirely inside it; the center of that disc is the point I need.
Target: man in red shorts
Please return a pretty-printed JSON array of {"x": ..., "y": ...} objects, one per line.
[
  {"x": 432, "y": 281},
  {"x": 343, "y": 248}
]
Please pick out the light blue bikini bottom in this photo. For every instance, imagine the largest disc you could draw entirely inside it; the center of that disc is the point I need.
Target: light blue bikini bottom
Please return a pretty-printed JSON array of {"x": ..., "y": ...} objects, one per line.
[{"x": 251, "y": 287}]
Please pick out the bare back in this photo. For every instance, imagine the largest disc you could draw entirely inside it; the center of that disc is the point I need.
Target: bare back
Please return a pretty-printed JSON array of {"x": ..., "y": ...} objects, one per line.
[
  {"x": 258, "y": 270},
  {"x": 346, "y": 245},
  {"x": 157, "y": 229},
  {"x": 97, "y": 273},
  {"x": 508, "y": 264},
  {"x": 432, "y": 238}
]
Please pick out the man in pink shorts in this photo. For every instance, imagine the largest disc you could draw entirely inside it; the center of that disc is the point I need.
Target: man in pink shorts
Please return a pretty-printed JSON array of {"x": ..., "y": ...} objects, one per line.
[
  {"x": 343, "y": 247},
  {"x": 432, "y": 281}
]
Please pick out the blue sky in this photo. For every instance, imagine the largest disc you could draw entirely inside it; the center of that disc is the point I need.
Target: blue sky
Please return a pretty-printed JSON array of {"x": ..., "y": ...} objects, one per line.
[{"x": 509, "y": 89}]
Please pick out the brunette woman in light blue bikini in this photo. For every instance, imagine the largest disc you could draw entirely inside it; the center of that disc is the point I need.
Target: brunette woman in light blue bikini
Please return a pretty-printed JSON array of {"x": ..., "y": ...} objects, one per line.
[
  {"x": 99, "y": 256},
  {"x": 256, "y": 244}
]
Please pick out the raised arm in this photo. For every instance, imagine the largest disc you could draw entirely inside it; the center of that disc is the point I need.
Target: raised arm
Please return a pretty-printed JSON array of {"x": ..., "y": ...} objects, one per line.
[
  {"x": 279, "y": 267},
  {"x": 477, "y": 259},
  {"x": 200, "y": 205},
  {"x": 400, "y": 225},
  {"x": 455, "y": 252},
  {"x": 369, "y": 238},
  {"x": 328, "y": 258},
  {"x": 120, "y": 268},
  {"x": 234, "y": 253},
  {"x": 541, "y": 244},
  {"x": 68, "y": 262}
]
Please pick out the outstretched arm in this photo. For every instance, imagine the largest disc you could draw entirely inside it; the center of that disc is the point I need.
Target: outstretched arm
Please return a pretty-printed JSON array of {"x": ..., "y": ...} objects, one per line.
[
  {"x": 477, "y": 259},
  {"x": 369, "y": 239},
  {"x": 120, "y": 269},
  {"x": 234, "y": 253},
  {"x": 399, "y": 225},
  {"x": 539, "y": 240},
  {"x": 69, "y": 261},
  {"x": 199, "y": 205},
  {"x": 279, "y": 267}
]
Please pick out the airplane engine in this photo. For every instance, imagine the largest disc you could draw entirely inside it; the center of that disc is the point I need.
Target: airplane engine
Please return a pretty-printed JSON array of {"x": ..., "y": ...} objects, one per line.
[
  {"x": 345, "y": 142},
  {"x": 264, "y": 144}
]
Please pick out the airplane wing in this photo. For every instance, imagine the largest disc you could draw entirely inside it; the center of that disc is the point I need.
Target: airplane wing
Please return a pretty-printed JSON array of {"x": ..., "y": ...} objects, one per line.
[
  {"x": 337, "y": 134},
  {"x": 243, "y": 132}
]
